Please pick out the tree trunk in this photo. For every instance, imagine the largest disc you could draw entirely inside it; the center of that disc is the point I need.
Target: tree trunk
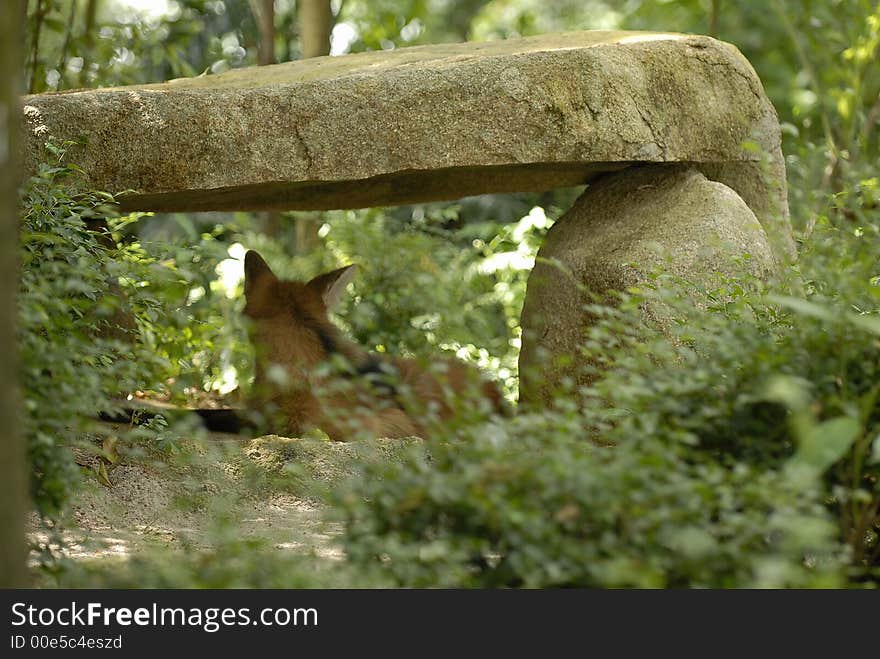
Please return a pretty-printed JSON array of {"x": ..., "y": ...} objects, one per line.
[
  {"x": 315, "y": 24},
  {"x": 88, "y": 40},
  {"x": 266, "y": 20},
  {"x": 39, "y": 14},
  {"x": 459, "y": 17},
  {"x": 13, "y": 468},
  {"x": 264, "y": 13},
  {"x": 68, "y": 34},
  {"x": 714, "y": 16}
]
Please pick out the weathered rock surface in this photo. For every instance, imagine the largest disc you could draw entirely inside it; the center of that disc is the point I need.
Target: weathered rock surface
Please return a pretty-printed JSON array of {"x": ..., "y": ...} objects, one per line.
[
  {"x": 417, "y": 124},
  {"x": 617, "y": 232}
]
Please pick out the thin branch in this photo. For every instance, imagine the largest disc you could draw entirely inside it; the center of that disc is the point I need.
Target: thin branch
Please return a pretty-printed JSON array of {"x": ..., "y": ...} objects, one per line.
[
  {"x": 833, "y": 150},
  {"x": 873, "y": 114},
  {"x": 62, "y": 60},
  {"x": 870, "y": 120},
  {"x": 266, "y": 21},
  {"x": 714, "y": 15},
  {"x": 39, "y": 14},
  {"x": 88, "y": 39},
  {"x": 807, "y": 66}
]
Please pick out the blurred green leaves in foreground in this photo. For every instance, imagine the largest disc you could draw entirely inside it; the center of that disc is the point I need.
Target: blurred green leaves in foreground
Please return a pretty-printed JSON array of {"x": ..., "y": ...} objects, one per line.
[{"x": 740, "y": 448}]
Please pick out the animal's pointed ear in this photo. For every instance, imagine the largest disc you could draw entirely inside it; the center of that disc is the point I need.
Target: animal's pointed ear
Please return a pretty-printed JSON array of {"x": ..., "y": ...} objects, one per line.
[
  {"x": 256, "y": 271},
  {"x": 331, "y": 285}
]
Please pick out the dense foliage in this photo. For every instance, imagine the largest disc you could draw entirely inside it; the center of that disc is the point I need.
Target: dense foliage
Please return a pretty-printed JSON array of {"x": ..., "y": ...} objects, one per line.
[
  {"x": 719, "y": 456},
  {"x": 100, "y": 320},
  {"x": 741, "y": 447}
]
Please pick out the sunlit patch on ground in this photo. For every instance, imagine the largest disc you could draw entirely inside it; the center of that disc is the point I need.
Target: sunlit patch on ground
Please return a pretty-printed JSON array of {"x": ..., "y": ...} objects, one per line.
[{"x": 149, "y": 507}]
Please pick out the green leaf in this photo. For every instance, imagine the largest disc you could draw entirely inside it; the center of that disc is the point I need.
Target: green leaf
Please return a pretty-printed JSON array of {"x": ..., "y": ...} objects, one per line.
[
  {"x": 868, "y": 323},
  {"x": 803, "y": 307},
  {"x": 824, "y": 444}
]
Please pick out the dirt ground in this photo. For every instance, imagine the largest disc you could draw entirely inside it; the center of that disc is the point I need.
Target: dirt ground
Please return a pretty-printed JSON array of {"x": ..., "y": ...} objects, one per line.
[{"x": 267, "y": 489}]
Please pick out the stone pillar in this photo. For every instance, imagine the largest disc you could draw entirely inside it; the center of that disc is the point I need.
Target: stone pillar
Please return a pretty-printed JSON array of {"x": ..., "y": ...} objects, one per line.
[{"x": 622, "y": 227}]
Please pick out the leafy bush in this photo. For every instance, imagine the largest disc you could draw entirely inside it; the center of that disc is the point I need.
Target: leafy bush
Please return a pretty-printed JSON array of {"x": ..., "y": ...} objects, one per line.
[
  {"x": 99, "y": 320},
  {"x": 68, "y": 320},
  {"x": 533, "y": 505},
  {"x": 737, "y": 447}
]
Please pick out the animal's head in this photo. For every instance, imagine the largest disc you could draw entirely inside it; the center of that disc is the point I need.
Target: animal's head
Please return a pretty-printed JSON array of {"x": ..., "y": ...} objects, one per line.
[{"x": 290, "y": 318}]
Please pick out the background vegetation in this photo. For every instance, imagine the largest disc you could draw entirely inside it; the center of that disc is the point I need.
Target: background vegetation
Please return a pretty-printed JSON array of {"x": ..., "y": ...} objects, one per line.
[{"x": 744, "y": 452}]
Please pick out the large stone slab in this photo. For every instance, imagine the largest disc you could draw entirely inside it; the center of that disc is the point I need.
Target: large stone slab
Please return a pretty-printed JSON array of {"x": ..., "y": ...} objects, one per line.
[
  {"x": 417, "y": 124},
  {"x": 617, "y": 233}
]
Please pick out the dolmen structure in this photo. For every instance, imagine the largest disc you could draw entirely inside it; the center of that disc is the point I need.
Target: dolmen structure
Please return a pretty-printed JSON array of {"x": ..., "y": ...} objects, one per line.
[{"x": 673, "y": 135}]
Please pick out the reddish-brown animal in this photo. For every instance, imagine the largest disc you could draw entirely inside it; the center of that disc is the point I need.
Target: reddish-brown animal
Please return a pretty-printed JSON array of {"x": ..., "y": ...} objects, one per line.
[{"x": 311, "y": 376}]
